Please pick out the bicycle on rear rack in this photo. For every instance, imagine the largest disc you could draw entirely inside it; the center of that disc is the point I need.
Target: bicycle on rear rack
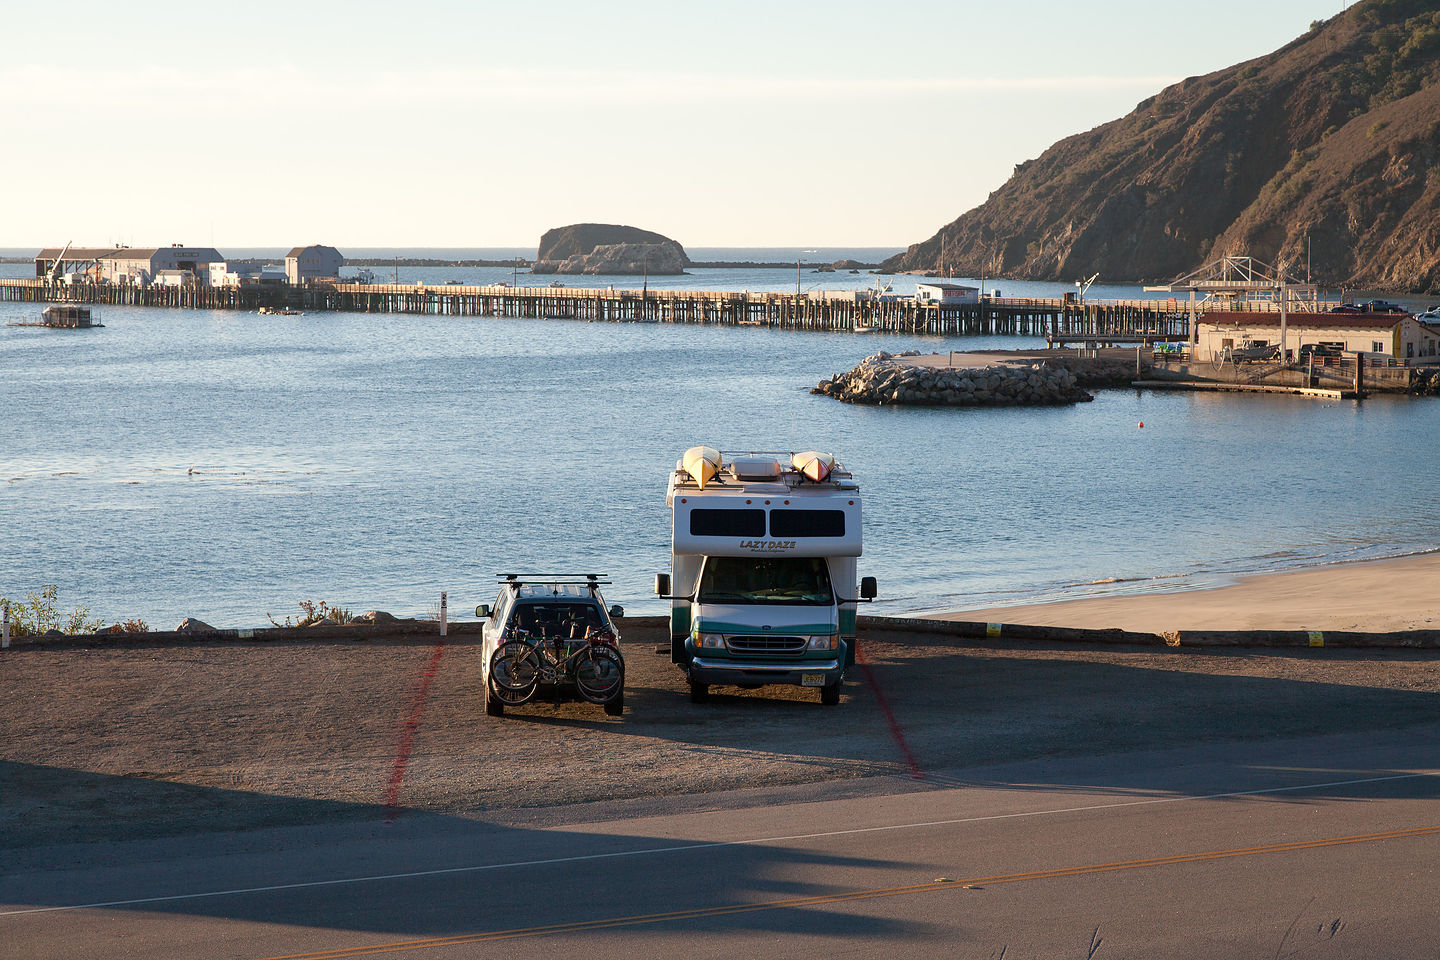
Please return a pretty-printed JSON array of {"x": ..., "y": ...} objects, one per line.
[{"x": 591, "y": 664}]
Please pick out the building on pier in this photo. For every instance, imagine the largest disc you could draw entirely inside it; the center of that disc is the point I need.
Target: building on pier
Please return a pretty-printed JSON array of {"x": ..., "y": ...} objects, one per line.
[
  {"x": 235, "y": 273},
  {"x": 315, "y": 262},
  {"x": 138, "y": 265},
  {"x": 143, "y": 265},
  {"x": 1395, "y": 336},
  {"x": 81, "y": 260},
  {"x": 946, "y": 294},
  {"x": 173, "y": 278}
]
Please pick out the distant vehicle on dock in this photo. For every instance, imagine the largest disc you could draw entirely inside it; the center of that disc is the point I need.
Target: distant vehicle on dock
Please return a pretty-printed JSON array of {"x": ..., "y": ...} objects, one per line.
[
  {"x": 1370, "y": 306},
  {"x": 64, "y": 316},
  {"x": 1253, "y": 351},
  {"x": 1321, "y": 350},
  {"x": 1382, "y": 306}
]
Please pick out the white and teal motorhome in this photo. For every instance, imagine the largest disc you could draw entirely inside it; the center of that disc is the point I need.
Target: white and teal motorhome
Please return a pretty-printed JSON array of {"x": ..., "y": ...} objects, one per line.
[{"x": 762, "y": 580}]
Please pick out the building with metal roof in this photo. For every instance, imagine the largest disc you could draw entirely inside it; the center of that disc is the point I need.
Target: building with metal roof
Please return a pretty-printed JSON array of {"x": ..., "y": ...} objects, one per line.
[
  {"x": 315, "y": 262},
  {"x": 126, "y": 264}
]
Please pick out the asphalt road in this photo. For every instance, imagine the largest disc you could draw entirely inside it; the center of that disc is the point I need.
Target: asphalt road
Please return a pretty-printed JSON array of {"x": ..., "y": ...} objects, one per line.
[{"x": 1317, "y": 847}]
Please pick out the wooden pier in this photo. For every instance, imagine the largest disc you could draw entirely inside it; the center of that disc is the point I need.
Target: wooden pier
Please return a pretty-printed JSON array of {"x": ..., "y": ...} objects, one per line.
[{"x": 1058, "y": 320}]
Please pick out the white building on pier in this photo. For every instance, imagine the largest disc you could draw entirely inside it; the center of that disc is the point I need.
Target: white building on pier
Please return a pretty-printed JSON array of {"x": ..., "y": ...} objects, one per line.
[{"x": 315, "y": 262}]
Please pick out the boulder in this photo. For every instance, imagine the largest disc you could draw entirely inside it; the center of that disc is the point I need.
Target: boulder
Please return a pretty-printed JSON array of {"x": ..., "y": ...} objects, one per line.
[
  {"x": 191, "y": 625},
  {"x": 376, "y": 618}
]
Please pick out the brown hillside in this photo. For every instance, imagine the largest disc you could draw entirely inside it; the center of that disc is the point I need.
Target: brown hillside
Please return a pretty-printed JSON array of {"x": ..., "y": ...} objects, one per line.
[{"x": 1333, "y": 137}]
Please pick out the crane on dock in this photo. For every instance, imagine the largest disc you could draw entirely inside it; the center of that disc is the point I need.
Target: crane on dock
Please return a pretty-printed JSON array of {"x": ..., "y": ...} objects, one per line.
[{"x": 58, "y": 268}]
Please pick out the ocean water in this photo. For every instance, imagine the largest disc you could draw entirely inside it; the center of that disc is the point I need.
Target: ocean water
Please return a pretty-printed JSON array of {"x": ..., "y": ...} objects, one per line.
[{"x": 228, "y": 465}]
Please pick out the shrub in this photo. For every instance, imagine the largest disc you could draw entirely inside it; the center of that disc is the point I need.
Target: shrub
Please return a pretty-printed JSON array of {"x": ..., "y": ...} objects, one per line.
[
  {"x": 314, "y": 613},
  {"x": 40, "y": 613}
]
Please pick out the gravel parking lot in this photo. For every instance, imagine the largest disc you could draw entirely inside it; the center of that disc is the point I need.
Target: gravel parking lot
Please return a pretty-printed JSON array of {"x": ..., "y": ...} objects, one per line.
[{"x": 161, "y": 739}]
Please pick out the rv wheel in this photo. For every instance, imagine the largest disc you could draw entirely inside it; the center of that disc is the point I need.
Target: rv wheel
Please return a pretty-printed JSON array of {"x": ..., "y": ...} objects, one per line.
[
  {"x": 616, "y": 707},
  {"x": 830, "y": 695},
  {"x": 699, "y": 692}
]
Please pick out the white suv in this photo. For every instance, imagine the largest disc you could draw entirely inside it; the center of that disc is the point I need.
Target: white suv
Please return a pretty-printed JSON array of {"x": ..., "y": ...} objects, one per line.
[{"x": 551, "y": 636}]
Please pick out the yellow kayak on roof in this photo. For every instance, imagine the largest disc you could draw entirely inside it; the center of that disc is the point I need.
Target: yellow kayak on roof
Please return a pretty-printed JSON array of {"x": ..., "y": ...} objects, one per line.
[
  {"x": 702, "y": 463},
  {"x": 813, "y": 465}
]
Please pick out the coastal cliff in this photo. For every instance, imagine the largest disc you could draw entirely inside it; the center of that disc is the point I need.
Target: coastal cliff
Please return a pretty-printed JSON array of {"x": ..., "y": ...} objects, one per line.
[
  {"x": 1326, "y": 148},
  {"x": 607, "y": 248}
]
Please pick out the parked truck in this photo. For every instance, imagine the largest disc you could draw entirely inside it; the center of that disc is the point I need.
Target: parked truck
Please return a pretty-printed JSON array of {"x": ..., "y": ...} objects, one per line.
[{"x": 762, "y": 582}]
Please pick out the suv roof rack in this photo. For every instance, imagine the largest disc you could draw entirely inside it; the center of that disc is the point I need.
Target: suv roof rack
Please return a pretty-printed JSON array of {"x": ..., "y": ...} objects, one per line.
[{"x": 579, "y": 579}]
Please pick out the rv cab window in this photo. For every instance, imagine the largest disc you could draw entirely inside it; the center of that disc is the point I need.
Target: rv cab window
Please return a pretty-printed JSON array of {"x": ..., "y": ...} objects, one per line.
[{"x": 770, "y": 580}]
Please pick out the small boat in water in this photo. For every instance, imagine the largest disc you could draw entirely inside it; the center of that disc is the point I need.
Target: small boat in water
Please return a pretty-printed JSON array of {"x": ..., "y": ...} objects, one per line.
[{"x": 63, "y": 316}]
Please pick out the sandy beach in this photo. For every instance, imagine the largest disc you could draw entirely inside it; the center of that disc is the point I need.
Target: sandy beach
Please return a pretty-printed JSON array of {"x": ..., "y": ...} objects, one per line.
[{"x": 1380, "y": 596}]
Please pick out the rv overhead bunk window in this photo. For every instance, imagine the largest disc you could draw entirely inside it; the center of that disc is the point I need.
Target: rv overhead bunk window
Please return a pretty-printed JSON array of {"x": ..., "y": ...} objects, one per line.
[
  {"x": 793, "y": 524},
  {"x": 727, "y": 523}
]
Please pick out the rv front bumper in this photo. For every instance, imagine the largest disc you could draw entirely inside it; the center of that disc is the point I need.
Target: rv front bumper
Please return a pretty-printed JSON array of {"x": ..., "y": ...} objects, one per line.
[{"x": 746, "y": 672}]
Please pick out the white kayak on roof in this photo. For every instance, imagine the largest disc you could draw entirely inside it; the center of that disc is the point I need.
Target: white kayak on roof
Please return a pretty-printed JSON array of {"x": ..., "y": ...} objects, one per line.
[
  {"x": 813, "y": 465},
  {"x": 702, "y": 463}
]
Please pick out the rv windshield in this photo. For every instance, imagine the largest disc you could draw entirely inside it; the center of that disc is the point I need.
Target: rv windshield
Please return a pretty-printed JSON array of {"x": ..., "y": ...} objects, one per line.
[{"x": 779, "y": 580}]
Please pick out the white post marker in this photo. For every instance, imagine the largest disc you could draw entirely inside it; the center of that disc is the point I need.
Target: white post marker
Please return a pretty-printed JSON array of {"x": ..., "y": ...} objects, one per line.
[
  {"x": 444, "y": 611},
  {"x": 5, "y": 626}
]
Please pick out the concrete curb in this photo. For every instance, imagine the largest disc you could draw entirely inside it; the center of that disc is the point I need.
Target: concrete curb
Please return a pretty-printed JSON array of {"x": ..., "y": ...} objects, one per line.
[
  {"x": 427, "y": 631},
  {"x": 1403, "y": 639}
]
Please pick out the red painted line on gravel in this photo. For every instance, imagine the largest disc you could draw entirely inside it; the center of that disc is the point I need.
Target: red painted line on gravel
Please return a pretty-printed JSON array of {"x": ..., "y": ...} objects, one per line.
[
  {"x": 407, "y": 735},
  {"x": 915, "y": 772}
]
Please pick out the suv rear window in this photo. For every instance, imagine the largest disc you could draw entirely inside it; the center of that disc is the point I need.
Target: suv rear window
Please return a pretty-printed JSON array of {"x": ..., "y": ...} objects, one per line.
[{"x": 550, "y": 619}]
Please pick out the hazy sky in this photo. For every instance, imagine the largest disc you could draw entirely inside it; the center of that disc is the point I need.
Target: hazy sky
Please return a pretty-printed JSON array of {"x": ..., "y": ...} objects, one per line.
[{"x": 478, "y": 124}]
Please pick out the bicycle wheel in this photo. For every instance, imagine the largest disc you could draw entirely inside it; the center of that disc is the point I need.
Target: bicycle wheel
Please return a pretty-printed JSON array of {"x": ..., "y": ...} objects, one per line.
[
  {"x": 600, "y": 674},
  {"x": 514, "y": 672}
]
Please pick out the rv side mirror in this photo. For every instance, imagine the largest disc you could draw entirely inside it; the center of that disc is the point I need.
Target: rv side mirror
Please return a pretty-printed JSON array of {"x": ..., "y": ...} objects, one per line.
[
  {"x": 483, "y": 611},
  {"x": 662, "y": 584},
  {"x": 867, "y": 588},
  {"x": 616, "y": 612}
]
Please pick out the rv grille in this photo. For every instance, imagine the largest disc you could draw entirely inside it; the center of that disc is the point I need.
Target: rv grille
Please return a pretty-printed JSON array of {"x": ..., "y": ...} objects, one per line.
[{"x": 766, "y": 644}]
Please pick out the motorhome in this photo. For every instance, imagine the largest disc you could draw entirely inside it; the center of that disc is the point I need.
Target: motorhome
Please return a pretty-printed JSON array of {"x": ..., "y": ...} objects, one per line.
[{"x": 762, "y": 582}]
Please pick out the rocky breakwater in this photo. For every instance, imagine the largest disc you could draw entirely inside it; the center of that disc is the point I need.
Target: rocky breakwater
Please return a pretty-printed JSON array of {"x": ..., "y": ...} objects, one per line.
[{"x": 885, "y": 379}]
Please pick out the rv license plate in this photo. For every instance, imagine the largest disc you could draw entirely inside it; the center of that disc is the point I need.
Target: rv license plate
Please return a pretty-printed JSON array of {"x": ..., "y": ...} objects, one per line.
[{"x": 812, "y": 679}]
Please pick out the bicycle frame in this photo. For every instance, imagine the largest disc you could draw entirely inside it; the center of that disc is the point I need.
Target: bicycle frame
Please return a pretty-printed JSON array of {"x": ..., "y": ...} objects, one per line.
[{"x": 520, "y": 665}]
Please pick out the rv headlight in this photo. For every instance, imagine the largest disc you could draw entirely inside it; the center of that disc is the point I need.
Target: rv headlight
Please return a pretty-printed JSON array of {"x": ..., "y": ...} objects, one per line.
[
  {"x": 827, "y": 642},
  {"x": 709, "y": 640}
]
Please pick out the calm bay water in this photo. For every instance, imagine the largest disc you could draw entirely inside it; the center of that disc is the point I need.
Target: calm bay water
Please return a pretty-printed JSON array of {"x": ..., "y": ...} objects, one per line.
[{"x": 227, "y": 465}]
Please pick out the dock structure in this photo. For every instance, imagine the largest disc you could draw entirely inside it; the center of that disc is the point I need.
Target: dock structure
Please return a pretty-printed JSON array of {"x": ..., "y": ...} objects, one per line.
[{"x": 1060, "y": 321}]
